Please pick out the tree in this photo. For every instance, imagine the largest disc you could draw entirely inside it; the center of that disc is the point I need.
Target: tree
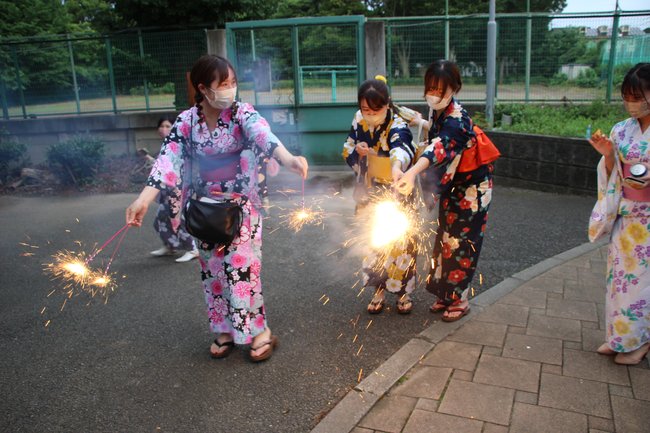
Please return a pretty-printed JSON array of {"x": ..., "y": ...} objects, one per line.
[
  {"x": 92, "y": 15},
  {"x": 19, "y": 20},
  {"x": 169, "y": 14}
]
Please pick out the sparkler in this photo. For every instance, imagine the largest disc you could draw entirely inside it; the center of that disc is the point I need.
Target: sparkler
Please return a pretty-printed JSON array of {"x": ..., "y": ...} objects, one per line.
[
  {"x": 303, "y": 215},
  {"x": 73, "y": 271}
]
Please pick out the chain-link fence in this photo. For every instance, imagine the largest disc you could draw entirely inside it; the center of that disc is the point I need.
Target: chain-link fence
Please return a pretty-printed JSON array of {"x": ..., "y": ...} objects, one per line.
[
  {"x": 540, "y": 57},
  {"x": 298, "y": 61},
  {"x": 94, "y": 74},
  {"x": 321, "y": 61}
]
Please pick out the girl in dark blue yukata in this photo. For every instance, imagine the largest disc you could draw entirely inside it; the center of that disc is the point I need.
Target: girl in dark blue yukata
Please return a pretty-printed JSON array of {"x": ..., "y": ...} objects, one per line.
[{"x": 379, "y": 148}]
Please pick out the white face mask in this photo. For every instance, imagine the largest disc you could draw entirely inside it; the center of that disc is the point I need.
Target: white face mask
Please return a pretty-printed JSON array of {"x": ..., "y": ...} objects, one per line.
[
  {"x": 436, "y": 102},
  {"x": 637, "y": 109},
  {"x": 375, "y": 119},
  {"x": 222, "y": 98}
]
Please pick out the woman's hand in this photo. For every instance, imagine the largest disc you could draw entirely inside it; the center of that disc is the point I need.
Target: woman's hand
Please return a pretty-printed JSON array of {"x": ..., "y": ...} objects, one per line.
[
  {"x": 362, "y": 148},
  {"x": 605, "y": 147},
  {"x": 135, "y": 212},
  {"x": 406, "y": 182},
  {"x": 299, "y": 165},
  {"x": 602, "y": 144},
  {"x": 419, "y": 121},
  {"x": 138, "y": 209}
]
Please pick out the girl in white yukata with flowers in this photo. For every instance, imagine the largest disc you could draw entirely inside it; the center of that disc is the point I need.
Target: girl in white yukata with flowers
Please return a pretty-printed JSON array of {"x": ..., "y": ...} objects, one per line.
[
  {"x": 225, "y": 140},
  {"x": 626, "y": 157}
]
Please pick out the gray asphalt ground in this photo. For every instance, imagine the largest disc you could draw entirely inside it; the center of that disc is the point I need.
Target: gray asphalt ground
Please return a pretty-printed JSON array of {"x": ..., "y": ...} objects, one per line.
[{"x": 140, "y": 362}]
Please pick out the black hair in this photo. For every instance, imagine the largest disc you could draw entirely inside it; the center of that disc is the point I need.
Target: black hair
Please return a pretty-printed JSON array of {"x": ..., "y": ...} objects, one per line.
[
  {"x": 442, "y": 72},
  {"x": 637, "y": 81},
  {"x": 165, "y": 118},
  {"x": 375, "y": 93}
]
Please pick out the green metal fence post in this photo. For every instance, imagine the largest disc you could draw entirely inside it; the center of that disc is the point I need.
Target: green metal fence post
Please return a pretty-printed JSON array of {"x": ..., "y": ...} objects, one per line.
[
  {"x": 529, "y": 37},
  {"x": 333, "y": 73},
  {"x": 144, "y": 78},
  {"x": 389, "y": 52},
  {"x": 254, "y": 60},
  {"x": 447, "y": 30},
  {"x": 612, "y": 55},
  {"x": 74, "y": 75},
  {"x": 3, "y": 95},
  {"x": 297, "y": 76},
  {"x": 361, "y": 50},
  {"x": 231, "y": 48},
  {"x": 111, "y": 75},
  {"x": 19, "y": 82}
]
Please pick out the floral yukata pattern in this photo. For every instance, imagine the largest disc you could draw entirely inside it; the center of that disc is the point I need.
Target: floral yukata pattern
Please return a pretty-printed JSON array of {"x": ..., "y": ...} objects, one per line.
[
  {"x": 230, "y": 274},
  {"x": 171, "y": 227},
  {"x": 464, "y": 202},
  {"x": 394, "y": 270},
  {"x": 627, "y": 304}
]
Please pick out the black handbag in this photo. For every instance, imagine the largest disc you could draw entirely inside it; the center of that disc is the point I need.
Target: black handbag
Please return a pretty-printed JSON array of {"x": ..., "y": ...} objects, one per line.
[
  {"x": 211, "y": 221},
  {"x": 217, "y": 223}
]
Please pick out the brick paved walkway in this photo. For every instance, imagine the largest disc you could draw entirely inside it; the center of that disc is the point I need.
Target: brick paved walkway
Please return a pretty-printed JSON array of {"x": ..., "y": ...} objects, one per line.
[{"x": 522, "y": 361}]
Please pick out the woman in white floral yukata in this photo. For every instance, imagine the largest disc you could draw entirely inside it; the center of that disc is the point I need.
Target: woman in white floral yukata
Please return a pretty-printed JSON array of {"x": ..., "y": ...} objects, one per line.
[
  {"x": 464, "y": 196},
  {"x": 626, "y": 155},
  {"x": 223, "y": 140},
  {"x": 378, "y": 147}
]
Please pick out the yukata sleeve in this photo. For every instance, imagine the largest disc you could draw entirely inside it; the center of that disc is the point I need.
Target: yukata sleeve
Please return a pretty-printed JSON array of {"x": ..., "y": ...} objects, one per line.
[
  {"x": 257, "y": 130},
  {"x": 350, "y": 154},
  {"x": 452, "y": 139},
  {"x": 401, "y": 143},
  {"x": 168, "y": 170},
  {"x": 610, "y": 192}
]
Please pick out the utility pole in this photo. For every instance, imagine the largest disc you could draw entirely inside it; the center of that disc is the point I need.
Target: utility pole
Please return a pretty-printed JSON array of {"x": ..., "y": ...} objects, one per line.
[{"x": 491, "y": 65}]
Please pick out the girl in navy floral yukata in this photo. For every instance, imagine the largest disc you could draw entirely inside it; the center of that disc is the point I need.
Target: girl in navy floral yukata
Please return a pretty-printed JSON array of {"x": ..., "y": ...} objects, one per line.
[
  {"x": 170, "y": 226},
  {"x": 225, "y": 140},
  {"x": 378, "y": 148},
  {"x": 464, "y": 196}
]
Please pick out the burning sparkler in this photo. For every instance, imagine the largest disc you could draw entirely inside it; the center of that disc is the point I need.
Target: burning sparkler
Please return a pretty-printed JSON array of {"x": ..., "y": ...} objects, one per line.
[
  {"x": 303, "y": 215},
  {"x": 74, "y": 272},
  {"x": 390, "y": 224}
]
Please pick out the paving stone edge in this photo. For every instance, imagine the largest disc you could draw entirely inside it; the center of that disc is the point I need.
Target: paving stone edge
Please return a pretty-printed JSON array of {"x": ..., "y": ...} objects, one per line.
[{"x": 357, "y": 402}]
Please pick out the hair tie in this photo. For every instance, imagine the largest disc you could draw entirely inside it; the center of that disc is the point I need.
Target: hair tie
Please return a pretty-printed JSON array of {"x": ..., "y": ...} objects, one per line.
[{"x": 381, "y": 78}]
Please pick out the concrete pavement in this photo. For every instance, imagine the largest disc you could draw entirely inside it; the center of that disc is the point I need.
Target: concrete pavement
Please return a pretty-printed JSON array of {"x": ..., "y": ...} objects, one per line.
[
  {"x": 140, "y": 362},
  {"x": 523, "y": 360}
]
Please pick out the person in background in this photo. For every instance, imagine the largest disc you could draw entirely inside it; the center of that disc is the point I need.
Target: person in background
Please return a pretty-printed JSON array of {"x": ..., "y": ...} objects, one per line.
[
  {"x": 378, "y": 147},
  {"x": 626, "y": 154},
  {"x": 464, "y": 196},
  {"x": 170, "y": 225},
  {"x": 220, "y": 139}
]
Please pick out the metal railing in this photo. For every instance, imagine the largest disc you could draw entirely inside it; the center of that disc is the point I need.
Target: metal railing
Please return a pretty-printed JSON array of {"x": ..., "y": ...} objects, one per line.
[
  {"x": 83, "y": 74},
  {"x": 540, "y": 57},
  {"x": 321, "y": 61}
]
